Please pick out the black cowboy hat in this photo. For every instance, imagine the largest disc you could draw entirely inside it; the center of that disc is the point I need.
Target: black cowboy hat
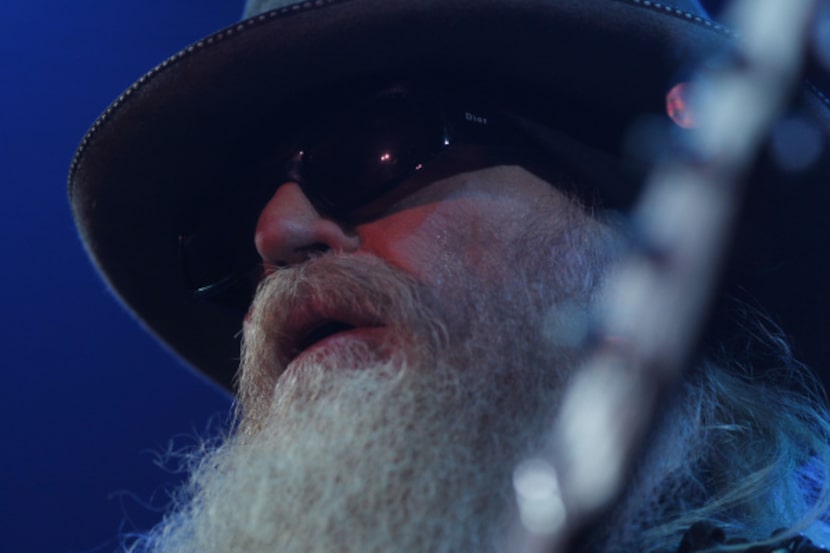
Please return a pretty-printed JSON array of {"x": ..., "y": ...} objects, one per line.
[{"x": 175, "y": 167}]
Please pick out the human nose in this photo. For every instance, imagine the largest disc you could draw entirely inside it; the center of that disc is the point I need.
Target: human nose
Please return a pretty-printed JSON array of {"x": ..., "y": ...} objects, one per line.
[{"x": 290, "y": 229}]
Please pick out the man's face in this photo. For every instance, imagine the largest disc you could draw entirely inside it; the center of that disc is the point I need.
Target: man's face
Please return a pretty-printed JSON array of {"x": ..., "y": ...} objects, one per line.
[
  {"x": 464, "y": 244},
  {"x": 395, "y": 371}
]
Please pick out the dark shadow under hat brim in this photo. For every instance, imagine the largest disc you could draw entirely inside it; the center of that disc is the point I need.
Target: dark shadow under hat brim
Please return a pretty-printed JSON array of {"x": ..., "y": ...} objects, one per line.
[{"x": 204, "y": 117}]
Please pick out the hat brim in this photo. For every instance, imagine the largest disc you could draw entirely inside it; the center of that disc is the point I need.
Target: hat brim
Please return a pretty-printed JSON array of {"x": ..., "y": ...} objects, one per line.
[{"x": 202, "y": 118}]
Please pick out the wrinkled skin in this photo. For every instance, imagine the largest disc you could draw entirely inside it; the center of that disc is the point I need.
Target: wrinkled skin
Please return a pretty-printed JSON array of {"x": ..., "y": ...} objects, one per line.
[{"x": 400, "y": 434}]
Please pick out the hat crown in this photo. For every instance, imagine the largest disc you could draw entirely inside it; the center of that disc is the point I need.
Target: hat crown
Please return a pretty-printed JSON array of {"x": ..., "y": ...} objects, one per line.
[{"x": 256, "y": 7}]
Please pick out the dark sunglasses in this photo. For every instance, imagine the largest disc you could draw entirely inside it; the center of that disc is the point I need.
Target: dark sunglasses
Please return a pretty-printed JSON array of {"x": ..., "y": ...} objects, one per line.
[
  {"x": 355, "y": 164},
  {"x": 369, "y": 153}
]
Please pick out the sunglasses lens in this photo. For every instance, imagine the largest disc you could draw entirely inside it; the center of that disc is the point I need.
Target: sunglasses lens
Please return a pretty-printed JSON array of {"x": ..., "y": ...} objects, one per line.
[{"x": 369, "y": 152}]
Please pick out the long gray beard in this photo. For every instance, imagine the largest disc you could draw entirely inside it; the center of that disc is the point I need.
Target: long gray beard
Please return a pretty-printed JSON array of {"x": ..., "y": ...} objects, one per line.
[
  {"x": 345, "y": 474},
  {"x": 413, "y": 454}
]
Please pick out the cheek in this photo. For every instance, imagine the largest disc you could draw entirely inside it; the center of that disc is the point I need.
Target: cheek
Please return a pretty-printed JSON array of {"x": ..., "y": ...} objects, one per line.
[{"x": 442, "y": 242}]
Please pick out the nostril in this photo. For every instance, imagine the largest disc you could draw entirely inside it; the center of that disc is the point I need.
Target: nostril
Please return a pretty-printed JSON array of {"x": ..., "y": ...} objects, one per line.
[
  {"x": 299, "y": 254},
  {"x": 311, "y": 249}
]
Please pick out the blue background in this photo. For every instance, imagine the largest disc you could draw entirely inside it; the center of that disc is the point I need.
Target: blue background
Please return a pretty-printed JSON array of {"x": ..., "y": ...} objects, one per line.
[{"x": 89, "y": 401}]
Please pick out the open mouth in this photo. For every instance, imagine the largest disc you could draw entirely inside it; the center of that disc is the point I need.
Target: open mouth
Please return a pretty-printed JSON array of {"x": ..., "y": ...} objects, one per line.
[
  {"x": 310, "y": 323},
  {"x": 318, "y": 334}
]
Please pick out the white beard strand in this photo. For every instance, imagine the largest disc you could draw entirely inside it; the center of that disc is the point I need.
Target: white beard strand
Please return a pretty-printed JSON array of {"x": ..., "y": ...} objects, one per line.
[{"x": 412, "y": 455}]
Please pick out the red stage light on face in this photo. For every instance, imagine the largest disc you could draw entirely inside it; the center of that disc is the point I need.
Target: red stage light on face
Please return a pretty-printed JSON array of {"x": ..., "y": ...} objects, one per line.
[{"x": 678, "y": 106}]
